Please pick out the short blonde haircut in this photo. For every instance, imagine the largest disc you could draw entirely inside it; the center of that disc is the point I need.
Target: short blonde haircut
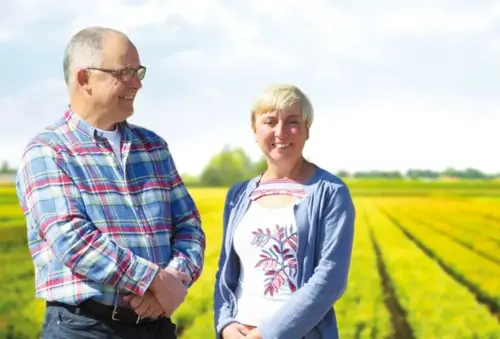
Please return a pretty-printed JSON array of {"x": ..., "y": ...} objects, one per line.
[{"x": 281, "y": 97}]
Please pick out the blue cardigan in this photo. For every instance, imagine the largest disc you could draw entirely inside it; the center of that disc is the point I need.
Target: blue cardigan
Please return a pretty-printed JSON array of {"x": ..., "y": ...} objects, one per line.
[{"x": 325, "y": 221}]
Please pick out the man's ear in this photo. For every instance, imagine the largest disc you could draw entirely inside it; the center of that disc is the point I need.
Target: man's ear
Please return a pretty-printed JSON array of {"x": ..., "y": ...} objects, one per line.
[{"x": 82, "y": 79}]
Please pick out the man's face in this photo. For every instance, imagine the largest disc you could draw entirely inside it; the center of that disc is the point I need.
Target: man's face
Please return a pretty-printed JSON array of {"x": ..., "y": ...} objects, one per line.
[{"x": 113, "y": 85}]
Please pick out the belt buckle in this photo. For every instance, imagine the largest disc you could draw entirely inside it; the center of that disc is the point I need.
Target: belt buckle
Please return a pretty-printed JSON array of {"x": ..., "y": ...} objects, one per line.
[
  {"x": 115, "y": 312},
  {"x": 139, "y": 318}
]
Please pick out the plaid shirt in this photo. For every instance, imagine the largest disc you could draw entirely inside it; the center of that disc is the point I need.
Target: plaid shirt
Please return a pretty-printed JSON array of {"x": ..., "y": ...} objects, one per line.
[{"x": 97, "y": 229}]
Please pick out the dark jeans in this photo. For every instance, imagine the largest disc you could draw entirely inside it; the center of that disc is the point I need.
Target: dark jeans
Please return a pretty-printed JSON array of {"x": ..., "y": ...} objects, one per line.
[{"x": 60, "y": 323}]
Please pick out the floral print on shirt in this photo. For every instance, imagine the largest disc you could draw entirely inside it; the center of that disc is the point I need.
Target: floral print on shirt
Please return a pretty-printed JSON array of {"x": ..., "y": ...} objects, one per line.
[{"x": 278, "y": 258}]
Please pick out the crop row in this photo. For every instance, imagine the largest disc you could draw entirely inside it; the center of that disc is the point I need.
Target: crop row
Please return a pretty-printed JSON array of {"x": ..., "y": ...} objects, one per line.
[
  {"x": 478, "y": 242},
  {"x": 480, "y": 275},
  {"x": 447, "y": 211},
  {"x": 482, "y": 209},
  {"x": 435, "y": 305},
  {"x": 361, "y": 312},
  {"x": 469, "y": 221},
  {"x": 11, "y": 210}
]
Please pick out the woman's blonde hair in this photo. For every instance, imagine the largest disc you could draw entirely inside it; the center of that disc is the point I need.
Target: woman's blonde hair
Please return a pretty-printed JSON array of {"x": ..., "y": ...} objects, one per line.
[{"x": 282, "y": 97}]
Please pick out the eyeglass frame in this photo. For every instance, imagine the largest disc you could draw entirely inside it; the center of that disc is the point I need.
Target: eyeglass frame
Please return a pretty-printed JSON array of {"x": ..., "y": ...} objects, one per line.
[{"x": 122, "y": 71}]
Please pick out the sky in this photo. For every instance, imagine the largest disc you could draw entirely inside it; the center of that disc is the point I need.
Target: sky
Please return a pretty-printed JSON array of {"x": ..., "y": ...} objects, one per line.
[{"x": 394, "y": 84}]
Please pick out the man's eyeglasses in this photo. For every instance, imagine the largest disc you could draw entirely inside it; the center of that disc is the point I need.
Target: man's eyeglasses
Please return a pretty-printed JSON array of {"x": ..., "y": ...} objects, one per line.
[{"x": 126, "y": 74}]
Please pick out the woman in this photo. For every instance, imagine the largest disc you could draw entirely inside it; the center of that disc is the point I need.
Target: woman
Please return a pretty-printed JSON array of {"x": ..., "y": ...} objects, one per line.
[{"x": 287, "y": 235}]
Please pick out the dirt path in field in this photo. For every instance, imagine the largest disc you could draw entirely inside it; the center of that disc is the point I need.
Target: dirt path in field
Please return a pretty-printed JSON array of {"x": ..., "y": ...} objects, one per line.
[{"x": 400, "y": 326}]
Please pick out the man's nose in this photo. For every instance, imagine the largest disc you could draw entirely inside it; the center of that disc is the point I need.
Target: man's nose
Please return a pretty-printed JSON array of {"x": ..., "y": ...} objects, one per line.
[{"x": 135, "y": 82}]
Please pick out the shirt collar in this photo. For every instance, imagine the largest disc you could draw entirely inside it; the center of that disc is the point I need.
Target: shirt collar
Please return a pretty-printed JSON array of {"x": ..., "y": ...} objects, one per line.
[
  {"x": 78, "y": 124},
  {"x": 308, "y": 186}
]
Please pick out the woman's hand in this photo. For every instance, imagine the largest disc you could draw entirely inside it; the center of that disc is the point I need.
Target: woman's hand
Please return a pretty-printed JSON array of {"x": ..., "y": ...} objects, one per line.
[
  {"x": 145, "y": 306},
  {"x": 254, "y": 334},
  {"x": 234, "y": 331}
]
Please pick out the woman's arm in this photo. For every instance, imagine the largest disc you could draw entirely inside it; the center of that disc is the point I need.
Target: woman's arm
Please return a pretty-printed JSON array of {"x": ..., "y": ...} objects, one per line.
[
  {"x": 222, "y": 308},
  {"x": 309, "y": 304}
]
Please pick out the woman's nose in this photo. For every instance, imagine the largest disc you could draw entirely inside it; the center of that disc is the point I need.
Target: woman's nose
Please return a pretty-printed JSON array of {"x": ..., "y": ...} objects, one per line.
[{"x": 279, "y": 129}]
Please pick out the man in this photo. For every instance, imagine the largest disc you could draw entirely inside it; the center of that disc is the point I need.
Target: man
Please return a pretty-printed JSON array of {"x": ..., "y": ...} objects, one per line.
[{"x": 115, "y": 237}]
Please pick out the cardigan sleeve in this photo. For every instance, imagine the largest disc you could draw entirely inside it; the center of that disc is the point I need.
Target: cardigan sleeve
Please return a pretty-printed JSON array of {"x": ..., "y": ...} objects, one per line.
[{"x": 222, "y": 306}]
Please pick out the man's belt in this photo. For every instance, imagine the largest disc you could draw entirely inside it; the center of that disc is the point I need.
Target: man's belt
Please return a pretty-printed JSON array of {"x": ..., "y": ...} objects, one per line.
[{"x": 100, "y": 311}]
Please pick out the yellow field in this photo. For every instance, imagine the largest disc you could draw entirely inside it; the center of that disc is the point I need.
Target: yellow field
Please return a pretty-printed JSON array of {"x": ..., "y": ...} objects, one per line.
[{"x": 423, "y": 267}]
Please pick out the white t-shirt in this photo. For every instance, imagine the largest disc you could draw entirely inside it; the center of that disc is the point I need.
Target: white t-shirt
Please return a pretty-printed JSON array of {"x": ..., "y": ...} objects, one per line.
[
  {"x": 114, "y": 138},
  {"x": 266, "y": 243}
]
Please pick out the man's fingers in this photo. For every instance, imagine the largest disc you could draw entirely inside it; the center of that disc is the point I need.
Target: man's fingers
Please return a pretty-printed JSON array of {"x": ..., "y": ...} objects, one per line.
[
  {"x": 185, "y": 278},
  {"x": 179, "y": 274},
  {"x": 136, "y": 302},
  {"x": 157, "y": 311},
  {"x": 142, "y": 308}
]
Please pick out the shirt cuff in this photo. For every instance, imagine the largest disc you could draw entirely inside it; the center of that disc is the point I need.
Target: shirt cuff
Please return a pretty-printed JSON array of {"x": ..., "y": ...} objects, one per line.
[
  {"x": 139, "y": 276},
  {"x": 181, "y": 265}
]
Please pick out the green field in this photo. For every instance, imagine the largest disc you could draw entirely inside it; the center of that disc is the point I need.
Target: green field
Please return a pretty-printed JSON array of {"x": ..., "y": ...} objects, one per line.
[{"x": 426, "y": 263}]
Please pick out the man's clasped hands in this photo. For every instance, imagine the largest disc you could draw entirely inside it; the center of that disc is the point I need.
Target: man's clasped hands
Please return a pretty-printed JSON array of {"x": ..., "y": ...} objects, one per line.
[{"x": 165, "y": 294}]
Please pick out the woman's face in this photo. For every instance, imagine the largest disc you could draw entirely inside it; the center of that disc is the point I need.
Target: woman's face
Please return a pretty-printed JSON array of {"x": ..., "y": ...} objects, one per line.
[{"x": 281, "y": 135}]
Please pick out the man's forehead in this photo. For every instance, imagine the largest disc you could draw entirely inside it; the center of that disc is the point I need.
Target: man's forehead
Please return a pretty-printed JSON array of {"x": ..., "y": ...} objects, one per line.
[{"x": 124, "y": 54}]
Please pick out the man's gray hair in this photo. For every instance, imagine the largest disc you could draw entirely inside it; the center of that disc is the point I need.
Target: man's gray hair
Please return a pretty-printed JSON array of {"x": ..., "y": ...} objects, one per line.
[{"x": 85, "y": 50}]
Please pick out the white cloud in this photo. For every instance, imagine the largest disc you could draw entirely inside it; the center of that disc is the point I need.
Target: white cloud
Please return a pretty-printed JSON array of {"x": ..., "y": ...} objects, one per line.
[
  {"x": 495, "y": 9},
  {"x": 494, "y": 45},
  {"x": 357, "y": 60},
  {"x": 432, "y": 22}
]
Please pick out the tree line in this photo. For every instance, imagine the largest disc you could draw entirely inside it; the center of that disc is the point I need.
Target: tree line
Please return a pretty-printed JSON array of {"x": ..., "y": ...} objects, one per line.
[{"x": 233, "y": 164}]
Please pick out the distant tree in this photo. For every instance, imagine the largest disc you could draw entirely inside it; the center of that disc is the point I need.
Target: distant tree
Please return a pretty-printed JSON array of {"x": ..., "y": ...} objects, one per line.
[
  {"x": 227, "y": 168},
  {"x": 472, "y": 173},
  {"x": 343, "y": 174},
  {"x": 378, "y": 174},
  {"x": 422, "y": 174},
  {"x": 468, "y": 173},
  {"x": 260, "y": 166},
  {"x": 4, "y": 168},
  {"x": 190, "y": 180}
]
